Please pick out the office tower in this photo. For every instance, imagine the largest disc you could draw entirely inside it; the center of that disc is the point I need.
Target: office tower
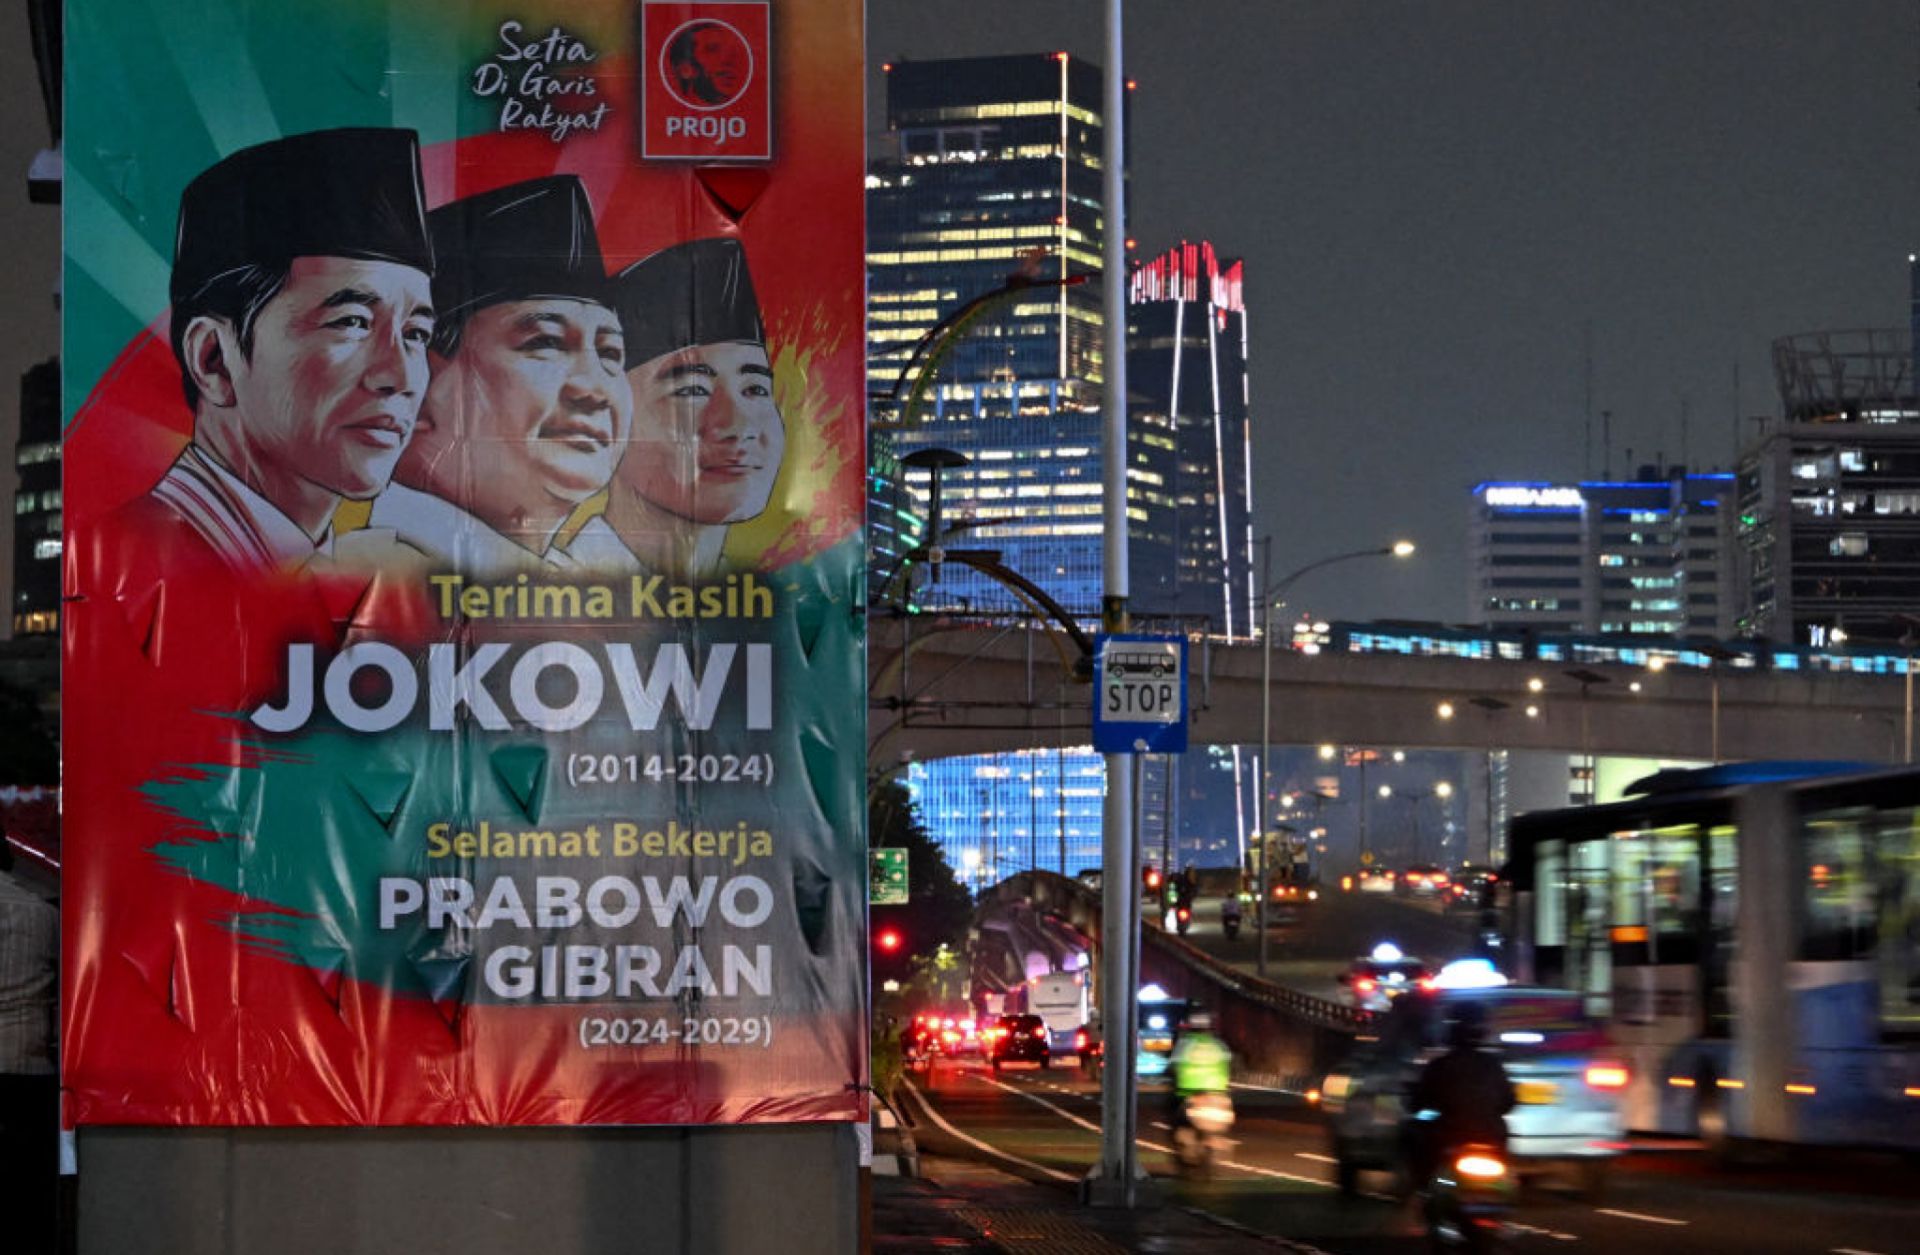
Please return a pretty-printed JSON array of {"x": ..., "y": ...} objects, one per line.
[
  {"x": 990, "y": 191},
  {"x": 36, "y": 503},
  {"x": 1829, "y": 496},
  {"x": 1188, "y": 439},
  {"x": 1653, "y": 554}
]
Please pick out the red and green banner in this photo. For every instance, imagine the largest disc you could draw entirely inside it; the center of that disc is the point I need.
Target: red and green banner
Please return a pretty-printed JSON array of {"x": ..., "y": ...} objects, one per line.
[{"x": 463, "y": 665}]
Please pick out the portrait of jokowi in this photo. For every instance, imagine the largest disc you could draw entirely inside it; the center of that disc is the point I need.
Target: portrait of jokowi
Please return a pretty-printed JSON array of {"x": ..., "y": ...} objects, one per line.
[{"x": 301, "y": 311}]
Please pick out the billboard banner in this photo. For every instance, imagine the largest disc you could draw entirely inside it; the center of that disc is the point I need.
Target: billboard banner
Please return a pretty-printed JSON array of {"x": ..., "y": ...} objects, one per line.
[{"x": 463, "y": 700}]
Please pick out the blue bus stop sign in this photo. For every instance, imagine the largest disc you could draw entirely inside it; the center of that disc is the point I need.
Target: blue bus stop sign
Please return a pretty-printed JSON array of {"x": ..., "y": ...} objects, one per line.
[{"x": 1140, "y": 694}]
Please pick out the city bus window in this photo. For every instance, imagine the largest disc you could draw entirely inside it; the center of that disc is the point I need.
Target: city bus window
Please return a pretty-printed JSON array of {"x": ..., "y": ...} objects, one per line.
[
  {"x": 1837, "y": 899},
  {"x": 1550, "y": 922},
  {"x": 1673, "y": 897},
  {"x": 1899, "y": 903},
  {"x": 1723, "y": 881},
  {"x": 1589, "y": 950}
]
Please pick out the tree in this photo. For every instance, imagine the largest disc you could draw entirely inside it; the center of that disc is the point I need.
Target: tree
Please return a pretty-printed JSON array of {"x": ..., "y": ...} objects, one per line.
[{"x": 938, "y": 910}]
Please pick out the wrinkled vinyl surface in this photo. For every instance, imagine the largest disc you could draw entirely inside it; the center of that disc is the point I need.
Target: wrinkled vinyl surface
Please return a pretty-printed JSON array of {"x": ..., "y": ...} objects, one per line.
[{"x": 530, "y": 792}]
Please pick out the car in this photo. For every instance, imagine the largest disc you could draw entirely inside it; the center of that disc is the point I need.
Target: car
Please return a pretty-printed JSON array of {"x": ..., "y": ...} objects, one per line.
[
  {"x": 1424, "y": 880},
  {"x": 1567, "y": 1080},
  {"x": 1018, "y": 1039},
  {"x": 1375, "y": 979},
  {"x": 950, "y": 1033},
  {"x": 1160, "y": 1020},
  {"x": 1374, "y": 880}
]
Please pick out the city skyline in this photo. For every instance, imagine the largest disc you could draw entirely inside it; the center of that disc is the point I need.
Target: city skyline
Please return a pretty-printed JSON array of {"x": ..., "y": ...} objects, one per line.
[{"x": 1441, "y": 209}]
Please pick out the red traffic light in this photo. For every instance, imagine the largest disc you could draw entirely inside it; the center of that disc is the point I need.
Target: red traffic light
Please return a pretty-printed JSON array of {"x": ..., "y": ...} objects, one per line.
[
  {"x": 1153, "y": 878},
  {"x": 888, "y": 939}
]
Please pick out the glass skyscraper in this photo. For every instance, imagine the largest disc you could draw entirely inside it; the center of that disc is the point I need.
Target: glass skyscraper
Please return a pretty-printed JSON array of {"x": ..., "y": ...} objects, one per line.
[{"x": 985, "y": 216}]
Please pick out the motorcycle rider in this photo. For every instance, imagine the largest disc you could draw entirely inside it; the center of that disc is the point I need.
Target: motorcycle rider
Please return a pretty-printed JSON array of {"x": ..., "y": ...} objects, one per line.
[
  {"x": 1469, "y": 1092},
  {"x": 1230, "y": 915},
  {"x": 1201, "y": 1065}
]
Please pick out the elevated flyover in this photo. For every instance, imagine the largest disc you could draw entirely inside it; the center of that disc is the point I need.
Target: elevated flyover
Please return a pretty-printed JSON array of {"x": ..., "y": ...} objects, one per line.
[
  {"x": 1273, "y": 1030},
  {"x": 945, "y": 686}
]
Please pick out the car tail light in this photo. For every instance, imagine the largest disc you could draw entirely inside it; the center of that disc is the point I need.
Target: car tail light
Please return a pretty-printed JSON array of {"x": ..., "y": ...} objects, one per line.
[
  {"x": 1607, "y": 1076},
  {"x": 1080, "y": 1040},
  {"x": 1480, "y": 1167},
  {"x": 1426, "y": 984},
  {"x": 1185, "y": 913},
  {"x": 1040, "y": 1033},
  {"x": 1365, "y": 985}
]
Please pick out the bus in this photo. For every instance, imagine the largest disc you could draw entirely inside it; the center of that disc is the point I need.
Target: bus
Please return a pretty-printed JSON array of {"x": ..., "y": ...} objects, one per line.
[
  {"x": 1061, "y": 1000},
  {"x": 1751, "y": 935}
]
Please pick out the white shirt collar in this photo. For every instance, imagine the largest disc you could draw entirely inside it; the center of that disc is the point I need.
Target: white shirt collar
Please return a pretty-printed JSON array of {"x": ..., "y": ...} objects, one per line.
[{"x": 445, "y": 533}]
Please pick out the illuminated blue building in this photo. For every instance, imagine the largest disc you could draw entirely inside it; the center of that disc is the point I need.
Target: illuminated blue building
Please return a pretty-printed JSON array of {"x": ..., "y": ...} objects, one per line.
[{"x": 1655, "y": 554}]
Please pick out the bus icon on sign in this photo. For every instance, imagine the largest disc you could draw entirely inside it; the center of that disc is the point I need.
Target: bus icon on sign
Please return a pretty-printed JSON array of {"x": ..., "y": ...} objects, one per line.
[{"x": 1153, "y": 663}]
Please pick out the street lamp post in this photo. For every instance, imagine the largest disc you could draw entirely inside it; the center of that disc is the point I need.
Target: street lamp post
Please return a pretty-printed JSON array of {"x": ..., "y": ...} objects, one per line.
[
  {"x": 1586, "y": 679},
  {"x": 1270, "y": 597}
]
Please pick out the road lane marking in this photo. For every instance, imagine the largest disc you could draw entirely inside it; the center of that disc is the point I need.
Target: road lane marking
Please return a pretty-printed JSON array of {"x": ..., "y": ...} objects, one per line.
[
  {"x": 1266, "y": 1089},
  {"x": 1850, "y": 1250},
  {"x": 1555, "y": 1234},
  {"x": 1313, "y": 1158},
  {"x": 1055, "y": 1108},
  {"x": 1641, "y": 1216},
  {"x": 1064, "y": 1114},
  {"x": 1277, "y": 1175},
  {"x": 1162, "y": 1124},
  {"x": 975, "y": 1142}
]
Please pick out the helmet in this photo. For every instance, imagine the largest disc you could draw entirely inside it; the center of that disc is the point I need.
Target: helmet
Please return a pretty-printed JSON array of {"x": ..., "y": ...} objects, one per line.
[
  {"x": 1200, "y": 1022},
  {"x": 1469, "y": 1027}
]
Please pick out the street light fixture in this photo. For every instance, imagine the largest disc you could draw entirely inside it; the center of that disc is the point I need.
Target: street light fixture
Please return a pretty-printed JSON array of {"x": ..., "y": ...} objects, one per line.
[{"x": 1270, "y": 597}]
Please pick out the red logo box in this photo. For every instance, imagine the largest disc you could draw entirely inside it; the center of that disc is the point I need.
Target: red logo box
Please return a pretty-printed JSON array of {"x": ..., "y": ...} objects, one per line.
[{"x": 706, "y": 91}]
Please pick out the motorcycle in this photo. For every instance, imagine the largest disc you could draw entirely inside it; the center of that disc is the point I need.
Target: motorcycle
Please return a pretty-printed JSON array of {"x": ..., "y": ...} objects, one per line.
[
  {"x": 1468, "y": 1199},
  {"x": 1230, "y": 920},
  {"x": 1087, "y": 1048},
  {"x": 1202, "y": 1140}
]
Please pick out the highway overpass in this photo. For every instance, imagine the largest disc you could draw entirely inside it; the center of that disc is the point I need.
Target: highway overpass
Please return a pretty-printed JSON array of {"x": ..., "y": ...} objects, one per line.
[{"x": 940, "y": 687}]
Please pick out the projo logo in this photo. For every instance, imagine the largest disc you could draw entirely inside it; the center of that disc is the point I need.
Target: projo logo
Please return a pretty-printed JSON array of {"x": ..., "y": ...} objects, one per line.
[
  {"x": 705, "y": 74},
  {"x": 706, "y": 64}
]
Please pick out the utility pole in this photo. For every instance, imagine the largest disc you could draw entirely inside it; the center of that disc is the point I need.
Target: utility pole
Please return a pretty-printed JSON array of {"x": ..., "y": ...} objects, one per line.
[{"x": 1117, "y": 1181}]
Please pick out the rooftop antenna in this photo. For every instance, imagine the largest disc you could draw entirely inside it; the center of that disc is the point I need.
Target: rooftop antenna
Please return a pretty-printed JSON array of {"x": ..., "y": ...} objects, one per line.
[
  {"x": 1735, "y": 463},
  {"x": 1686, "y": 430},
  {"x": 1606, "y": 444},
  {"x": 1586, "y": 449}
]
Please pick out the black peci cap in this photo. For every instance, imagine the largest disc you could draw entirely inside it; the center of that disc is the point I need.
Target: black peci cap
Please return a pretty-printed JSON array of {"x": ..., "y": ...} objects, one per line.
[
  {"x": 694, "y": 293},
  {"x": 521, "y": 242},
  {"x": 353, "y": 192}
]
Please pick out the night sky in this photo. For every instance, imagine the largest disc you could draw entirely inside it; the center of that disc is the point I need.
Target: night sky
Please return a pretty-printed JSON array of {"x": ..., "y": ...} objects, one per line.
[{"x": 1437, "y": 200}]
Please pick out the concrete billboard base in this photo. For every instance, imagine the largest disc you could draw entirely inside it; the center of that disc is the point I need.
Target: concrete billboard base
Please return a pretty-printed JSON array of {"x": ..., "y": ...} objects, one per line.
[{"x": 790, "y": 1189}]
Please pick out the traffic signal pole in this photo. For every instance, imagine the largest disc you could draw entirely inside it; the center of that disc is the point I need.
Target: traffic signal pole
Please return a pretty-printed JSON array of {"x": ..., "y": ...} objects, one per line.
[{"x": 1116, "y": 1181}]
